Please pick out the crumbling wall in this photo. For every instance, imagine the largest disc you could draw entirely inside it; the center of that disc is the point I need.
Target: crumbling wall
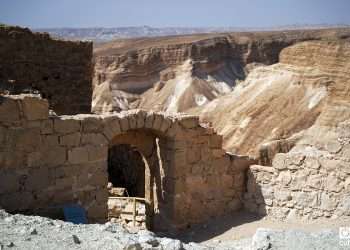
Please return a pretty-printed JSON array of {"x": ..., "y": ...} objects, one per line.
[
  {"x": 310, "y": 181},
  {"x": 60, "y": 70},
  {"x": 50, "y": 161}
]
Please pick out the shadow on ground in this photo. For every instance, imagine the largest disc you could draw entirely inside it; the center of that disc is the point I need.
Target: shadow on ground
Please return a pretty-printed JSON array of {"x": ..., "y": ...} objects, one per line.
[{"x": 213, "y": 227}]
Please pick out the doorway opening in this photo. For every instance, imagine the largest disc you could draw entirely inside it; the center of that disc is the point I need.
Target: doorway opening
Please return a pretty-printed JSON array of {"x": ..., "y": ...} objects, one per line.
[{"x": 126, "y": 186}]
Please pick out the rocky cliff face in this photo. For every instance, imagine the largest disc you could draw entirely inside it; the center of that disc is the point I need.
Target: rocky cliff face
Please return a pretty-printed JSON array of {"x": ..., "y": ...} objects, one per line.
[
  {"x": 177, "y": 73},
  {"x": 276, "y": 104},
  {"x": 312, "y": 179},
  {"x": 60, "y": 70}
]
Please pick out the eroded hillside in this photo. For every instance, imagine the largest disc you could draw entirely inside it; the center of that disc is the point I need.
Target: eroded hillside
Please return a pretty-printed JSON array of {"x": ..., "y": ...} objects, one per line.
[
  {"x": 276, "y": 104},
  {"x": 177, "y": 73}
]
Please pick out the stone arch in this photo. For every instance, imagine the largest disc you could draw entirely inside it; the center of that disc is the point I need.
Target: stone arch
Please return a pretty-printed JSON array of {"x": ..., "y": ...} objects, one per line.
[{"x": 156, "y": 136}]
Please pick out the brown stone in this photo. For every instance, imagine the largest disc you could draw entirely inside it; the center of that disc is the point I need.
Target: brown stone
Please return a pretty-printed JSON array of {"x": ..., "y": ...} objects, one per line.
[
  {"x": 9, "y": 110},
  {"x": 66, "y": 125},
  {"x": 46, "y": 127},
  {"x": 35, "y": 108},
  {"x": 78, "y": 155},
  {"x": 70, "y": 139}
]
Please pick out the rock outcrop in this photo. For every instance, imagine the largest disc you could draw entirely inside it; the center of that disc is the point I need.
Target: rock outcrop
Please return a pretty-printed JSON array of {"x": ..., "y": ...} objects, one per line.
[
  {"x": 272, "y": 108},
  {"x": 60, "y": 71},
  {"x": 312, "y": 179},
  {"x": 177, "y": 73}
]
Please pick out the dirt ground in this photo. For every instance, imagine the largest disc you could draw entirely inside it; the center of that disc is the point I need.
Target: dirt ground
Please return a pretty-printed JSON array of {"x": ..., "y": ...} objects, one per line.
[{"x": 243, "y": 225}]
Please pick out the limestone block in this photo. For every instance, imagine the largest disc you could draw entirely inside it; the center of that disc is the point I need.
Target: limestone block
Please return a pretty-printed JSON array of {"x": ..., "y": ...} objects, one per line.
[
  {"x": 50, "y": 140},
  {"x": 328, "y": 203},
  {"x": 158, "y": 120},
  {"x": 166, "y": 124},
  {"x": 99, "y": 179},
  {"x": 333, "y": 184},
  {"x": 239, "y": 180},
  {"x": 282, "y": 195},
  {"x": 312, "y": 163},
  {"x": 46, "y": 127},
  {"x": 315, "y": 181},
  {"x": 124, "y": 123},
  {"x": 66, "y": 125},
  {"x": 150, "y": 117},
  {"x": 34, "y": 159},
  {"x": 215, "y": 141},
  {"x": 189, "y": 121},
  {"x": 284, "y": 178},
  {"x": 78, "y": 155},
  {"x": 174, "y": 186},
  {"x": 98, "y": 153},
  {"x": 218, "y": 153},
  {"x": 12, "y": 159},
  {"x": 132, "y": 121},
  {"x": 70, "y": 139},
  {"x": 140, "y": 119},
  {"x": 111, "y": 127},
  {"x": 9, "y": 110},
  {"x": 279, "y": 161},
  {"x": 35, "y": 108},
  {"x": 54, "y": 156},
  {"x": 28, "y": 140},
  {"x": 235, "y": 205},
  {"x": 193, "y": 155},
  {"x": 92, "y": 124},
  {"x": 299, "y": 180},
  {"x": 333, "y": 146},
  {"x": 346, "y": 151},
  {"x": 93, "y": 139},
  {"x": 306, "y": 199},
  {"x": 226, "y": 181}
]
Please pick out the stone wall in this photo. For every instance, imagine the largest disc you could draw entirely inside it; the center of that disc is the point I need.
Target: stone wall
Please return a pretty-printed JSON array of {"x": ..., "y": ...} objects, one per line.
[
  {"x": 310, "y": 181},
  {"x": 60, "y": 70},
  {"x": 50, "y": 161}
]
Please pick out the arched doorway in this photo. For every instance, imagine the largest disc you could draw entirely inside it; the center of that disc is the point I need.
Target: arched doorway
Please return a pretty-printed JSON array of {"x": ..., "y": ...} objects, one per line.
[{"x": 135, "y": 166}]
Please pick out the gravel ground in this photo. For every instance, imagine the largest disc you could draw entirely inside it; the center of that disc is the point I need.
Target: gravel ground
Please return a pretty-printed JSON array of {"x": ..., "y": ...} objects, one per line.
[{"x": 34, "y": 232}]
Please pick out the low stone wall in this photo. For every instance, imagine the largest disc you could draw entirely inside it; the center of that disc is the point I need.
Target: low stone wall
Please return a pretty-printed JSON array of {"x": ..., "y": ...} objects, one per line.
[
  {"x": 50, "y": 161},
  {"x": 60, "y": 70},
  {"x": 311, "y": 181}
]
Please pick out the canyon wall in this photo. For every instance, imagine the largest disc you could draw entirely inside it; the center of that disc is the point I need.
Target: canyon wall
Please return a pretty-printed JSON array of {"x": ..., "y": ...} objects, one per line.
[
  {"x": 177, "y": 73},
  {"x": 60, "y": 70},
  {"x": 49, "y": 161},
  {"x": 312, "y": 179}
]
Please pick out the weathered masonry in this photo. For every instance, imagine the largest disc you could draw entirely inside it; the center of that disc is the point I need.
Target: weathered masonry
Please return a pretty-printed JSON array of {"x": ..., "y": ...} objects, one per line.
[{"x": 48, "y": 161}]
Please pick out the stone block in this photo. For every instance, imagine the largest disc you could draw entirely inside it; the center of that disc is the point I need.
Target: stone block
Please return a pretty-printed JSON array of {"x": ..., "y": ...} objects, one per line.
[
  {"x": 215, "y": 141},
  {"x": 333, "y": 184},
  {"x": 50, "y": 140},
  {"x": 140, "y": 119},
  {"x": 70, "y": 139},
  {"x": 9, "y": 110},
  {"x": 35, "y": 108},
  {"x": 94, "y": 139},
  {"x": 166, "y": 124},
  {"x": 312, "y": 163},
  {"x": 28, "y": 140},
  {"x": 149, "y": 120},
  {"x": 78, "y": 155},
  {"x": 284, "y": 178},
  {"x": 333, "y": 147},
  {"x": 98, "y": 153},
  {"x": 132, "y": 121},
  {"x": 34, "y": 159},
  {"x": 46, "y": 127},
  {"x": 92, "y": 124},
  {"x": 189, "y": 121},
  {"x": 54, "y": 156},
  {"x": 124, "y": 123},
  {"x": 111, "y": 127},
  {"x": 279, "y": 161},
  {"x": 193, "y": 155},
  {"x": 66, "y": 125},
  {"x": 9, "y": 182},
  {"x": 158, "y": 120}
]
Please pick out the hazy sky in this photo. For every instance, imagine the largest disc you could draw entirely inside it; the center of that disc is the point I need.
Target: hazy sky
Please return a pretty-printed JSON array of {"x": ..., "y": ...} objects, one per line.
[{"x": 160, "y": 13}]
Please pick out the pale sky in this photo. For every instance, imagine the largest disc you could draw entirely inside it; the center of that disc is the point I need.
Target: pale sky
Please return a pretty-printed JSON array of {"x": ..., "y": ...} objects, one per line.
[{"x": 172, "y": 13}]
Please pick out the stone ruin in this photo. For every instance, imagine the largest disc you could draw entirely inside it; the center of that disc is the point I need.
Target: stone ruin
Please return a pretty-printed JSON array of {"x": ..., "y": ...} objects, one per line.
[{"x": 49, "y": 161}]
